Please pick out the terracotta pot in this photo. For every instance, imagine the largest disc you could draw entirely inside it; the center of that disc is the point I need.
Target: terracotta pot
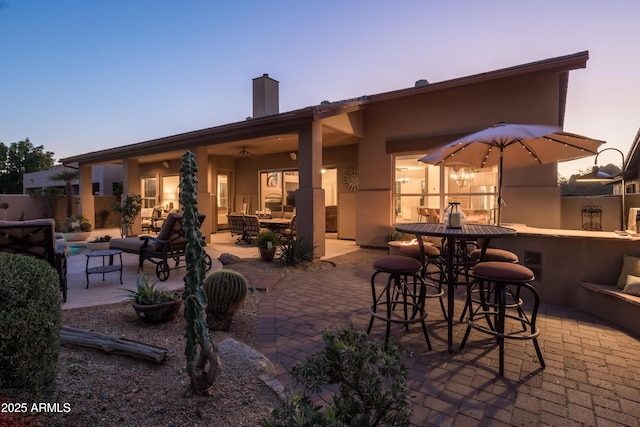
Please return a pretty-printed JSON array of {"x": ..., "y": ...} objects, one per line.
[
  {"x": 158, "y": 313},
  {"x": 267, "y": 254}
]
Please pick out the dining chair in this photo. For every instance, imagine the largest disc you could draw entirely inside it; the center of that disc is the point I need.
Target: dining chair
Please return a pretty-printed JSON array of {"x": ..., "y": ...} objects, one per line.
[
  {"x": 236, "y": 224},
  {"x": 289, "y": 233},
  {"x": 422, "y": 213},
  {"x": 434, "y": 216},
  {"x": 252, "y": 226}
]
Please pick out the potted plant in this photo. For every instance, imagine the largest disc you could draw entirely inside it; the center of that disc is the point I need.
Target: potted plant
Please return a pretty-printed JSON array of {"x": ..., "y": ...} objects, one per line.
[
  {"x": 267, "y": 242},
  {"x": 99, "y": 243},
  {"x": 151, "y": 304},
  {"x": 129, "y": 210},
  {"x": 75, "y": 228}
]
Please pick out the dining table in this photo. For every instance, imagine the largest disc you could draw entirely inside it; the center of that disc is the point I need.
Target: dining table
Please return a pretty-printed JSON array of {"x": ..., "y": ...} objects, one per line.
[
  {"x": 483, "y": 232},
  {"x": 275, "y": 224}
]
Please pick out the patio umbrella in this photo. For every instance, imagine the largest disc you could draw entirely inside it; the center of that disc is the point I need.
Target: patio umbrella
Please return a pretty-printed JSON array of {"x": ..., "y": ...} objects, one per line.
[{"x": 513, "y": 145}]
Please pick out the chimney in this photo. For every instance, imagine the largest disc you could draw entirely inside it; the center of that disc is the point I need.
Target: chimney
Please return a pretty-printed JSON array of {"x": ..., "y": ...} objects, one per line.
[{"x": 265, "y": 96}]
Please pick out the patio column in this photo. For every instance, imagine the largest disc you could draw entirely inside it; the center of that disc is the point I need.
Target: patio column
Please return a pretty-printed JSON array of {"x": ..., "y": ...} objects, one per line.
[
  {"x": 131, "y": 185},
  {"x": 310, "y": 210},
  {"x": 86, "y": 206},
  {"x": 204, "y": 192}
]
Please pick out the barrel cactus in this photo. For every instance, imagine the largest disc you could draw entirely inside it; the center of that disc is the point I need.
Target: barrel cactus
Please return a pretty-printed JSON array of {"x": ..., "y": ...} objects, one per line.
[{"x": 225, "y": 291}]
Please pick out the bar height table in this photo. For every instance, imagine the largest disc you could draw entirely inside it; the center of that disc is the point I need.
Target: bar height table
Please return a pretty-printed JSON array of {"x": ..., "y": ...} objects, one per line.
[{"x": 451, "y": 235}]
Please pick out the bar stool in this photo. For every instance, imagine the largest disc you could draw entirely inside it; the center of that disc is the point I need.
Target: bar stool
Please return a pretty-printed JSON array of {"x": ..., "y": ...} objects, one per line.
[
  {"x": 500, "y": 275},
  {"x": 498, "y": 255},
  {"x": 398, "y": 293},
  {"x": 429, "y": 255}
]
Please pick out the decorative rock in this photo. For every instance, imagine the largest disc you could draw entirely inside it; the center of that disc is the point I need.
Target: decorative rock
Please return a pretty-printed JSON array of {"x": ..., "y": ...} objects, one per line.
[
  {"x": 238, "y": 357},
  {"x": 227, "y": 259}
]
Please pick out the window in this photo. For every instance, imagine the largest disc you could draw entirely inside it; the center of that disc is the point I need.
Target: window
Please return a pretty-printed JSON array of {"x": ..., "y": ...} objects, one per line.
[
  {"x": 170, "y": 189},
  {"x": 149, "y": 192},
  {"x": 278, "y": 189},
  {"x": 433, "y": 187},
  {"x": 223, "y": 191}
]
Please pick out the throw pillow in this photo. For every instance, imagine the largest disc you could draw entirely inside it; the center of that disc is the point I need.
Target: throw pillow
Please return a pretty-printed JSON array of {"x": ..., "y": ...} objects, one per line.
[
  {"x": 633, "y": 286},
  {"x": 630, "y": 266}
]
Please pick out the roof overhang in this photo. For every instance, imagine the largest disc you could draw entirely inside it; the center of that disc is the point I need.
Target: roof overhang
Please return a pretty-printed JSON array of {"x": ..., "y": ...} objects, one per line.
[{"x": 288, "y": 124}]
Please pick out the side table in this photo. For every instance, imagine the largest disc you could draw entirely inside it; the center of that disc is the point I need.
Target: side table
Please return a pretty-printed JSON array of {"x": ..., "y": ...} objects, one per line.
[{"x": 104, "y": 268}]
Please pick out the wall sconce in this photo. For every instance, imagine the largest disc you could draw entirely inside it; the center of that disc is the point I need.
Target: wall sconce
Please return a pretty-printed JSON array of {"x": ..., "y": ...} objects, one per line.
[
  {"x": 293, "y": 155},
  {"x": 166, "y": 164}
]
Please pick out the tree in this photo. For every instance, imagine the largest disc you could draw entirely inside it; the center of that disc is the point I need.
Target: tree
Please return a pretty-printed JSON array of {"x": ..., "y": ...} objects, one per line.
[
  {"x": 68, "y": 176},
  {"x": 19, "y": 158},
  {"x": 571, "y": 187}
]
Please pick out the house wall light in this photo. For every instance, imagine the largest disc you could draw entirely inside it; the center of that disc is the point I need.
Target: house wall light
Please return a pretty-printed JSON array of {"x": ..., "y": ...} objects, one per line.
[
  {"x": 166, "y": 164},
  {"x": 293, "y": 155}
]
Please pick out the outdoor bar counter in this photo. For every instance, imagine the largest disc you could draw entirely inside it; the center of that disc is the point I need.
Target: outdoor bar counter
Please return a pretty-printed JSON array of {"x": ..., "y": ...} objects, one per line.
[{"x": 561, "y": 259}]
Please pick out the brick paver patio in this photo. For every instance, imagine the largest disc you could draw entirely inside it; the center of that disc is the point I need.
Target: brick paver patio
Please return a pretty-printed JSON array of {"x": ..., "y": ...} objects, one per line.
[{"x": 592, "y": 376}]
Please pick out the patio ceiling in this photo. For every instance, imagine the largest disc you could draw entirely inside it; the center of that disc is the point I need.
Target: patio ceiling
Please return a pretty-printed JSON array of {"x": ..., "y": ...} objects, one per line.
[{"x": 343, "y": 128}]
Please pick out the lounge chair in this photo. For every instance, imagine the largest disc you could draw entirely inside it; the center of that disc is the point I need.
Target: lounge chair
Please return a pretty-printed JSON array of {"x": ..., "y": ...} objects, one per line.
[
  {"x": 36, "y": 238},
  {"x": 169, "y": 244}
]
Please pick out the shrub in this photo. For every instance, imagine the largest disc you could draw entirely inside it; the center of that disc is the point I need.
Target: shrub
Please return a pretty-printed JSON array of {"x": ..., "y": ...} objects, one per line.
[
  {"x": 296, "y": 251},
  {"x": 370, "y": 382},
  {"x": 74, "y": 224},
  {"x": 30, "y": 322}
]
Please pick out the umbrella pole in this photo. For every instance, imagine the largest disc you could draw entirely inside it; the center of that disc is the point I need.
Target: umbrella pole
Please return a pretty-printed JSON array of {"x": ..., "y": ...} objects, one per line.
[{"x": 500, "y": 187}]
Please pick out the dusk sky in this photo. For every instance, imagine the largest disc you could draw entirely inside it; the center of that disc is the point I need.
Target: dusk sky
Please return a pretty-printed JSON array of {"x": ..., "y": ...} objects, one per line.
[{"x": 83, "y": 75}]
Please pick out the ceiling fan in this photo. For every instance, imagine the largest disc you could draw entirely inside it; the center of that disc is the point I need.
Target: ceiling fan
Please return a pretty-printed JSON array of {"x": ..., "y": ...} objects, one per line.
[{"x": 244, "y": 153}]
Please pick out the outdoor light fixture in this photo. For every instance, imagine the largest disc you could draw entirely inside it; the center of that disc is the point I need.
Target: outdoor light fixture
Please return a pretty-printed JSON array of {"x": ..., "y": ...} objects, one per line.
[
  {"x": 461, "y": 177},
  {"x": 166, "y": 164},
  {"x": 598, "y": 176},
  {"x": 293, "y": 155}
]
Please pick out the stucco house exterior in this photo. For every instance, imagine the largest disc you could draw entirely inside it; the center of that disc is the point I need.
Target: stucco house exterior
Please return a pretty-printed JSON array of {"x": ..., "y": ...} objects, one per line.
[{"x": 355, "y": 160}]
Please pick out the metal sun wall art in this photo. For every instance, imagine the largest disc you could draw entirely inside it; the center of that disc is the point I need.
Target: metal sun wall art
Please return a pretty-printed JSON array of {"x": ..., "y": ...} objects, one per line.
[{"x": 351, "y": 178}]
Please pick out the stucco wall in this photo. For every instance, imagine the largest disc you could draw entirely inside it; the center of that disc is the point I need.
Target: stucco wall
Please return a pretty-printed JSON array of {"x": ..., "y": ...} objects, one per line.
[
  {"x": 611, "y": 210},
  {"x": 517, "y": 100},
  {"x": 566, "y": 261}
]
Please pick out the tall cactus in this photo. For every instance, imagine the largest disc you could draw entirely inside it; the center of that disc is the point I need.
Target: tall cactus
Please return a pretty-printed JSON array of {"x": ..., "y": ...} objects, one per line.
[
  {"x": 195, "y": 301},
  {"x": 225, "y": 291}
]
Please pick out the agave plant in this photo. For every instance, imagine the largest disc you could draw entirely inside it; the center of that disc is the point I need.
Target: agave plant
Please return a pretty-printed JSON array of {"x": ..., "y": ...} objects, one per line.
[{"x": 147, "y": 294}]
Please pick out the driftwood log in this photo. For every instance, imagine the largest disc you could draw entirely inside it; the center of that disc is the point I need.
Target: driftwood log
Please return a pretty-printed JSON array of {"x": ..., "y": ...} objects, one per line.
[{"x": 122, "y": 346}]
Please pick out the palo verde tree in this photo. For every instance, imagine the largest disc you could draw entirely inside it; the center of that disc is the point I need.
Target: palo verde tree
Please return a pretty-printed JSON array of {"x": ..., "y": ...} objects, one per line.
[
  {"x": 195, "y": 301},
  {"x": 19, "y": 158}
]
